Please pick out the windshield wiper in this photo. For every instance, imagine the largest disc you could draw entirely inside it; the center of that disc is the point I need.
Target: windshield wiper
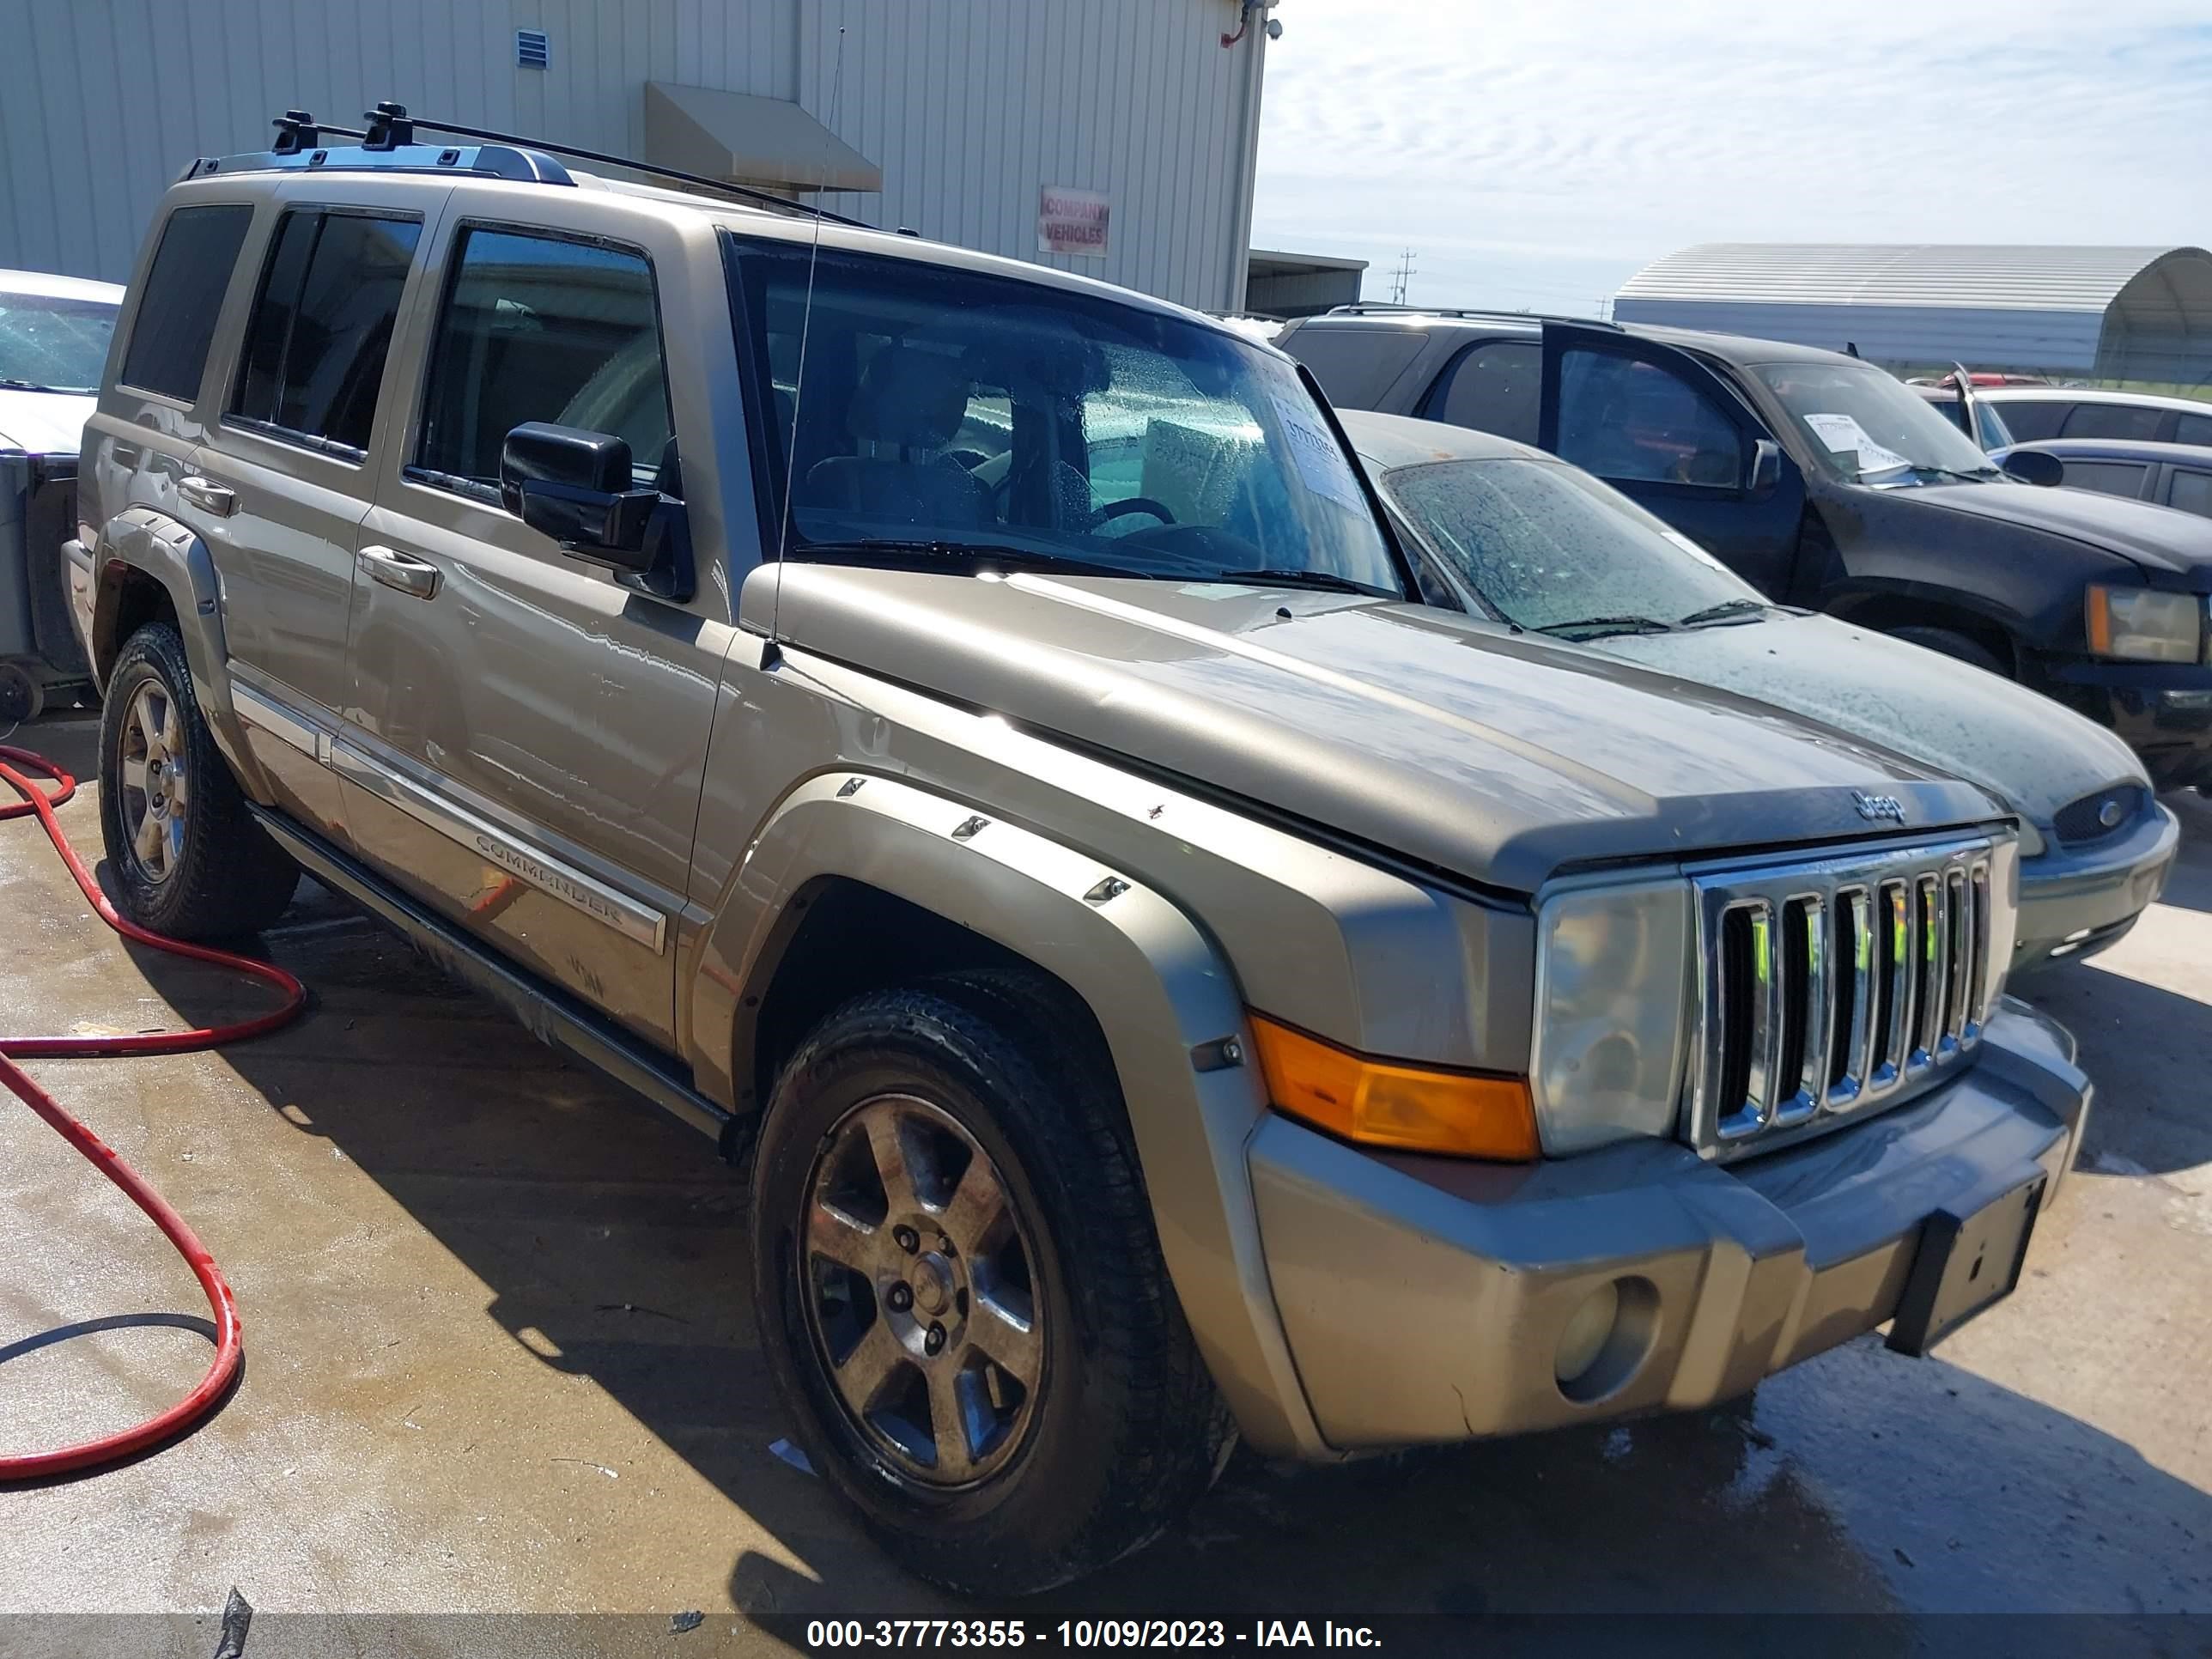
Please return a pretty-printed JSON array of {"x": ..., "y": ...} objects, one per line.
[
  {"x": 9, "y": 384},
  {"x": 1981, "y": 477},
  {"x": 987, "y": 554},
  {"x": 1713, "y": 613},
  {"x": 1610, "y": 625},
  {"x": 1325, "y": 580}
]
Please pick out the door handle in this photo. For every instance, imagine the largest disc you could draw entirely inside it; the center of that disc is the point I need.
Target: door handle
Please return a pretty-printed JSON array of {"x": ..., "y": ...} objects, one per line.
[
  {"x": 209, "y": 496},
  {"x": 417, "y": 578}
]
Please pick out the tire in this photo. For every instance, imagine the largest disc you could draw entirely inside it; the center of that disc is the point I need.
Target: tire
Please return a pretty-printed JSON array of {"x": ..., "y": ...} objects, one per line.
[
  {"x": 211, "y": 873},
  {"x": 1117, "y": 1429},
  {"x": 1953, "y": 644}
]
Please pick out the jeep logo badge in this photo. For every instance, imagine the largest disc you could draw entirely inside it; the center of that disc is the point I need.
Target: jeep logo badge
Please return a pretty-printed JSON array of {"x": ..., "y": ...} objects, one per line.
[{"x": 1876, "y": 808}]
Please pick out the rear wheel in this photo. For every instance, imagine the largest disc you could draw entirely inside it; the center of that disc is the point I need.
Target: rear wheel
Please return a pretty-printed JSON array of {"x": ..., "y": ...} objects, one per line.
[
  {"x": 187, "y": 858},
  {"x": 961, "y": 1294},
  {"x": 1952, "y": 643}
]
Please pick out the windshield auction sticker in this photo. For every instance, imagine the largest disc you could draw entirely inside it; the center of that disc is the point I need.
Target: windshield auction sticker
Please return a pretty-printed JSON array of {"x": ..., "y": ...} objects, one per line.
[
  {"x": 1846, "y": 436},
  {"x": 1321, "y": 462}
]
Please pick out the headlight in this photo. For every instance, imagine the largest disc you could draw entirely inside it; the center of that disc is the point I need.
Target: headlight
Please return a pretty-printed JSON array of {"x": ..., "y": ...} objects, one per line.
[
  {"x": 2145, "y": 625},
  {"x": 1612, "y": 988}
]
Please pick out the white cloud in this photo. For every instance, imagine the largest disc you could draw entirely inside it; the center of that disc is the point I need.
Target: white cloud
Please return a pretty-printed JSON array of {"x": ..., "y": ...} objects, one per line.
[{"x": 1535, "y": 156}]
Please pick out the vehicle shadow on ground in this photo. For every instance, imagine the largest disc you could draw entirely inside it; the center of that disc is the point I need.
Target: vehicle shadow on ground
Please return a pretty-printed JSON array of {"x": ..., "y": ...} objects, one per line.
[
  {"x": 2190, "y": 886},
  {"x": 613, "y": 1246},
  {"x": 613, "y": 1238}
]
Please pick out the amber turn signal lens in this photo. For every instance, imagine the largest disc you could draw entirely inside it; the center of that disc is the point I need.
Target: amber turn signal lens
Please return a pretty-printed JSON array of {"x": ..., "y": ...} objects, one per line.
[{"x": 1378, "y": 1103}]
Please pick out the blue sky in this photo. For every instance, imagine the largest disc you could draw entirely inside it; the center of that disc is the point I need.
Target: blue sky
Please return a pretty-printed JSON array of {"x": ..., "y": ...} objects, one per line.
[{"x": 1535, "y": 153}]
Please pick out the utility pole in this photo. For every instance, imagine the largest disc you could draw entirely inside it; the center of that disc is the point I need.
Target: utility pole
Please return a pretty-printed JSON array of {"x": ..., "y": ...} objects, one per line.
[{"x": 1400, "y": 276}]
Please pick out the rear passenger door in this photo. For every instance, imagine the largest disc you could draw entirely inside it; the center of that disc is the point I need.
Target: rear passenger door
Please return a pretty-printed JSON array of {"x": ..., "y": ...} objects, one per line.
[
  {"x": 532, "y": 730},
  {"x": 283, "y": 489},
  {"x": 1667, "y": 432}
]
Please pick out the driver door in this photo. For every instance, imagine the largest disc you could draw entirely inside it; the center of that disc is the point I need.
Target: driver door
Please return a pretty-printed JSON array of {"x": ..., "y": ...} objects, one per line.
[{"x": 1673, "y": 436}]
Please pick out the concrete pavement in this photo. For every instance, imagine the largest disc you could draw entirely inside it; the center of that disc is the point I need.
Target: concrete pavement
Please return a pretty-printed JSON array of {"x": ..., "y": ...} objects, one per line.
[{"x": 500, "y": 1359}]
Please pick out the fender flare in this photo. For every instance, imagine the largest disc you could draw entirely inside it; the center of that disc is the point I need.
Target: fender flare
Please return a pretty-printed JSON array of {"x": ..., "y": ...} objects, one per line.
[
  {"x": 1163, "y": 997},
  {"x": 172, "y": 553}
]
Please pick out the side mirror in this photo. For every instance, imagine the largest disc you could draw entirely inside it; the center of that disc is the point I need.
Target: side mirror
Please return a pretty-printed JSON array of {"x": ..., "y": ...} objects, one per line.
[
  {"x": 575, "y": 486},
  {"x": 1766, "y": 469},
  {"x": 2035, "y": 466}
]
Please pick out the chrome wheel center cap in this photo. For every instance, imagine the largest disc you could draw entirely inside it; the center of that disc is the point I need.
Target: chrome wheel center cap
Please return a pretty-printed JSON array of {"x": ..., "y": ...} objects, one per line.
[{"x": 933, "y": 1283}]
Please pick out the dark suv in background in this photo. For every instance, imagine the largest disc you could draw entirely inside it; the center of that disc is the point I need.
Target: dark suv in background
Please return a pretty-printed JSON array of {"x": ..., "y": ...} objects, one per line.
[{"x": 1829, "y": 483}]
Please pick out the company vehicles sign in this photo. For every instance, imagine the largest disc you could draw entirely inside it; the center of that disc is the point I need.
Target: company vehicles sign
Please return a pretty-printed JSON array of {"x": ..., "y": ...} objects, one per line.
[{"x": 1072, "y": 221}]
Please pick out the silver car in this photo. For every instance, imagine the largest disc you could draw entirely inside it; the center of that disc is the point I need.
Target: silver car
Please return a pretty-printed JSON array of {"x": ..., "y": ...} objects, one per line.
[{"x": 1522, "y": 538}]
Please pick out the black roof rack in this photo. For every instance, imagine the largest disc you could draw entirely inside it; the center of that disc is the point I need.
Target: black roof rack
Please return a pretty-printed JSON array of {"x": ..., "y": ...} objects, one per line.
[
  {"x": 1385, "y": 308},
  {"x": 389, "y": 144}
]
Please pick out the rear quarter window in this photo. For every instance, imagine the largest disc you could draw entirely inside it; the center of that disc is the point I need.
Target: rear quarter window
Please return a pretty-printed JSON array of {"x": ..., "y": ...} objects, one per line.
[
  {"x": 1355, "y": 366},
  {"x": 181, "y": 298}
]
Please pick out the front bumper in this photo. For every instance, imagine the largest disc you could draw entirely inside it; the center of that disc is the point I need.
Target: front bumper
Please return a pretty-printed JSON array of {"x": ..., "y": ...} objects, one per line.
[
  {"x": 1425, "y": 1299},
  {"x": 2073, "y": 904},
  {"x": 2162, "y": 711}
]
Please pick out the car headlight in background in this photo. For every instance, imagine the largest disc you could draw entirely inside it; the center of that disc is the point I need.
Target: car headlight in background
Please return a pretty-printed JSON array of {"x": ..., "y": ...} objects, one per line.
[
  {"x": 2145, "y": 625},
  {"x": 1612, "y": 992}
]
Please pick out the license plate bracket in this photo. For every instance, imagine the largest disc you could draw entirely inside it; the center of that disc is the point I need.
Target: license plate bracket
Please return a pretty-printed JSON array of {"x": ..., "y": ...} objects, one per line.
[{"x": 1964, "y": 1264}]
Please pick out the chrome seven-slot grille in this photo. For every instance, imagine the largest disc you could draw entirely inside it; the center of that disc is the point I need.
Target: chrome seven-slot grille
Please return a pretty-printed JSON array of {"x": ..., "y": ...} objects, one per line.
[{"x": 1832, "y": 986}]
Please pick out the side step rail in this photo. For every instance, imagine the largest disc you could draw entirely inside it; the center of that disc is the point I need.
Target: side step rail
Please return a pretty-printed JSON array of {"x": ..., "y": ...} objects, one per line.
[{"x": 548, "y": 1013}]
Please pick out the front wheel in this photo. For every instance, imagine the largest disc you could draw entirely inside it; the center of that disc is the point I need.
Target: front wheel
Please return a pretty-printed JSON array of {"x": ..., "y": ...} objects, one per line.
[{"x": 961, "y": 1294}]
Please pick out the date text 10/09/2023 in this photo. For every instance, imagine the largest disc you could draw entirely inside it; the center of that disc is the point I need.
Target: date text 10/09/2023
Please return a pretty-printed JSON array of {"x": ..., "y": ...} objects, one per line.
[{"x": 827, "y": 1634}]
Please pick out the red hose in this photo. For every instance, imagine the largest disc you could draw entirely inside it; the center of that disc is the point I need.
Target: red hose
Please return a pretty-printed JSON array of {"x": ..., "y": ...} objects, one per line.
[{"x": 229, "y": 1348}]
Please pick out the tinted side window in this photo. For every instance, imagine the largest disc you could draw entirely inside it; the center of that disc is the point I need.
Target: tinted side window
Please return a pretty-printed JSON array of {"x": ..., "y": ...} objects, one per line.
[
  {"x": 538, "y": 328},
  {"x": 2107, "y": 478},
  {"x": 322, "y": 324},
  {"x": 2190, "y": 491},
  {"x": 2033, "y": 419},
  {"x": 1495, "y": 387},
  {"x": 181, "y": 298},
  {"x": 2112, "y": 421},
  {"x": 1356, "y": 365},
  {"x": 1621, "y": 417},
  {"x": 2194, "y": 429}
]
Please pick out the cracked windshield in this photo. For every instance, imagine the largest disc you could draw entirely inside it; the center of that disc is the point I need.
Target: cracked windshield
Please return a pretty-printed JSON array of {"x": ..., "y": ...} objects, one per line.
[{"x": 1552, "y": 548}]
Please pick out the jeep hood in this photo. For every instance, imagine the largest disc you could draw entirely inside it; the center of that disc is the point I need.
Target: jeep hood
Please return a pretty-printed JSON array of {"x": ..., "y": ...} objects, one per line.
[
  {"x": 1499, "y": 759},
  {"x": 2156, "y": 539},
  {"x": 2029, "y": 752}
]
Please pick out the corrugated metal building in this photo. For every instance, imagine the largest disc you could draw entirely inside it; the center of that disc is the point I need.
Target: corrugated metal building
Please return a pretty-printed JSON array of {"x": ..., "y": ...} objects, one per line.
[
  {"x": 950, "y": 117},
  {"x": 2118, "y": 314}
]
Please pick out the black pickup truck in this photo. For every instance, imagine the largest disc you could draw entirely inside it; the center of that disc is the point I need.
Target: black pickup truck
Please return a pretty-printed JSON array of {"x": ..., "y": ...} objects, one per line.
[{"x": 1829, "y": 483}]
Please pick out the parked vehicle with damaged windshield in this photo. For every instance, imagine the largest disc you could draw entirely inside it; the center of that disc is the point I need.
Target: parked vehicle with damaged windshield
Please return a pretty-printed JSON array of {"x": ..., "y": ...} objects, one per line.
[
  {"x": 966, "y": 737},
  {"x": 1510, "y": 534},
  {"x": 54, "y": 333},
  {"x": 1826, "y": 482}
]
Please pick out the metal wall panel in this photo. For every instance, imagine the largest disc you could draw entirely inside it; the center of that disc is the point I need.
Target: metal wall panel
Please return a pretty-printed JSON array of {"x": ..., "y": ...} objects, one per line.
[{"x": 969, "y": 105}]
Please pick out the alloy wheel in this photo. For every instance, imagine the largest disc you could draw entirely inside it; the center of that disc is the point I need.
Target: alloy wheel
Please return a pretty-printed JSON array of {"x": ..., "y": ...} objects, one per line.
[
  {"x": 920, "y": 1280},
  {"x": 155, "y": 781}
]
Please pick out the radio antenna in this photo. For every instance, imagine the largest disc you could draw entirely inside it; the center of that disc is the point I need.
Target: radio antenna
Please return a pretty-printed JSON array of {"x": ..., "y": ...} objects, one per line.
[{"x": 805, "y": 322}]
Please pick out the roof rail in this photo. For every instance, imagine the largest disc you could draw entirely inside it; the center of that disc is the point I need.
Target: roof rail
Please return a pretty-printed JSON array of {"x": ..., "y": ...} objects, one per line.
[
  {"x": 1383, "y": 308},
  {"x": 389, "y": 144}
]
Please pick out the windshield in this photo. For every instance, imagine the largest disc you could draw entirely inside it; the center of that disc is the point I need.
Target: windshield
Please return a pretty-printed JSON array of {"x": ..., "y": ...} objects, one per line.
[
  {"x": 1548, "y": 546},
  {"x": 943, "y": 412},
  {"x": 49, "y": 343},
  {"x": 1864, "y": 425}
]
